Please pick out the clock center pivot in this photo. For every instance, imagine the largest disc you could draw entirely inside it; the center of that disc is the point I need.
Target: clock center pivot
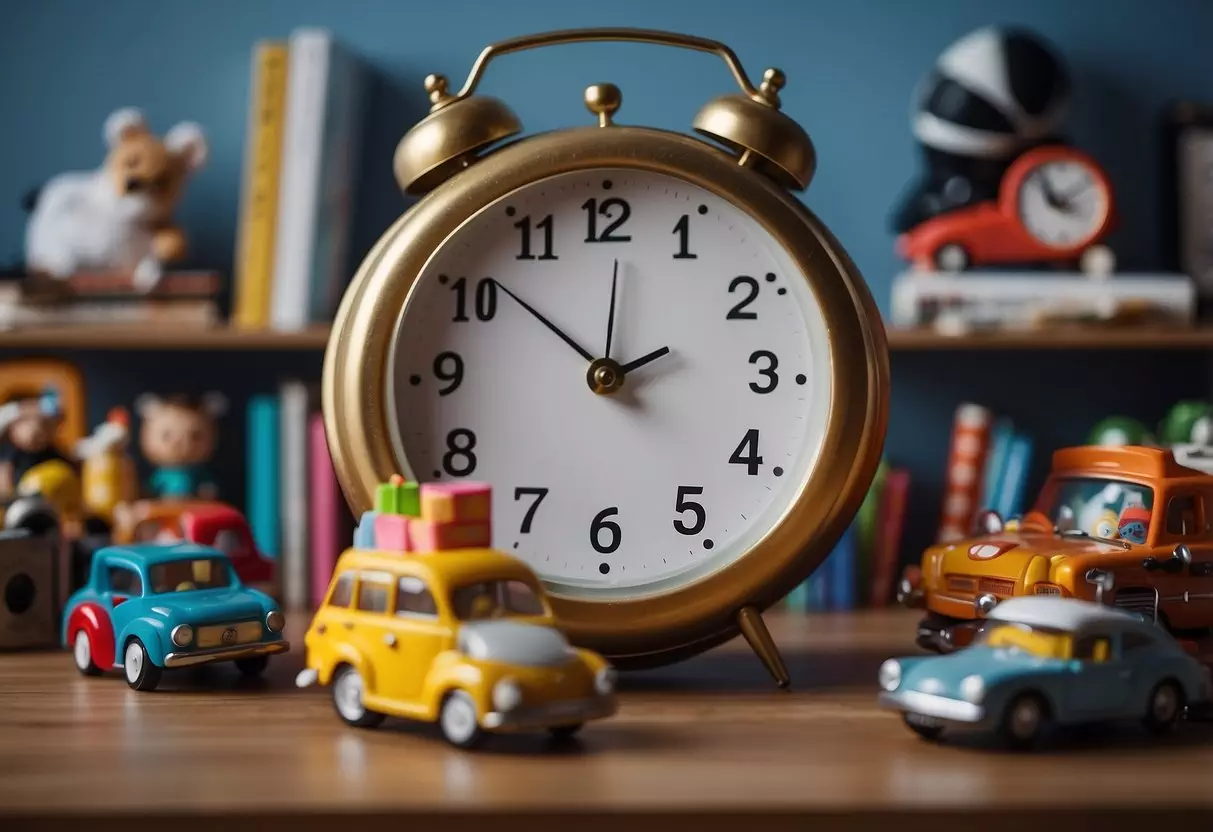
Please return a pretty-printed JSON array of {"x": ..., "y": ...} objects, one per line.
[{"x": 604, "y": 376}]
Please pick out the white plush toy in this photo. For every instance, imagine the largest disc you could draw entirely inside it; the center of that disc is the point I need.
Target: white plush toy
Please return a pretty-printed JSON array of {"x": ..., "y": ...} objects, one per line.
[{"x": 120, "y": 216}]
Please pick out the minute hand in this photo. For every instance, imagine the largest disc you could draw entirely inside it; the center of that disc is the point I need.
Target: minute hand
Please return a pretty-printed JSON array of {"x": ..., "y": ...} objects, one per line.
[
  {"x": 582, "y": 352},
  {"x": 644, "y": 359}
]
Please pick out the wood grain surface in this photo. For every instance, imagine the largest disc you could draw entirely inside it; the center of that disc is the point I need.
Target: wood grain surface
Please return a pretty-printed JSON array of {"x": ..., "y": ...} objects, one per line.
[{"x": 711, "y": 738}]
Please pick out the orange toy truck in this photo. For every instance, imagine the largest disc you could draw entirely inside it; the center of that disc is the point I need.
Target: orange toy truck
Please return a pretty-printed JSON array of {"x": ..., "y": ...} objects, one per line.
[{"x": 1127, "y": 526}]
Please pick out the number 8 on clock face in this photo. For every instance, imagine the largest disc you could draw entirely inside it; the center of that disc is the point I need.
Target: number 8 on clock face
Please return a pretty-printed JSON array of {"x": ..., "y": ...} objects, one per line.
[{"x": 637, "y": 366}]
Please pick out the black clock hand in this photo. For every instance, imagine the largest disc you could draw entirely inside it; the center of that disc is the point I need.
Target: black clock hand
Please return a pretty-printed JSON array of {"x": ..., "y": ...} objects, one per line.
[
  {"x": 644, "y": 359},
  {"x": 611, "y": 313},
  {"x": 544, "y": 321}
]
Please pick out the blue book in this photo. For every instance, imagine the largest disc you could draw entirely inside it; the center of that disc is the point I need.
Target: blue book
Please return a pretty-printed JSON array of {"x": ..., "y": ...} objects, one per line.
[
  {"x": 261, "y": 474},
  {"x": 798, "y": 598},
  {"x": 1015, "y": 477},
  {"x": 1001, "y": 436},
  {"x": 819, "y": 587},
  {"x": 842, "y": 573}
]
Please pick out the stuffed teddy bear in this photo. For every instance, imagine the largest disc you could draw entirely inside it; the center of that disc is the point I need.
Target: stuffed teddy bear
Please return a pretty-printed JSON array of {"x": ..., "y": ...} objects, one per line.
[
  {"x": 178, "y": 438},
  {"x": 118, "y": 217}
]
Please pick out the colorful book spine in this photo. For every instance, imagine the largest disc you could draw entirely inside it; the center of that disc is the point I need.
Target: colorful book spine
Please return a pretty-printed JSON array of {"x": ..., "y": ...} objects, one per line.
[
  {"x": 259, "y": 200},
  {"x": 308, "y": 74},
  {"x": 798, "y": 598},
  {"x": 842, "y": 575},
  {"x": 887, "y": 547},
  {"x": 970, "y": 443},
  {"x": 865, "y": 526},
  {"x": 324, "y": 498},
  {"x": 264, "y": 508},
  {"x": 294, "y": 467},
  {"x": 1001, "y": 436},
  {"x": 1015, "y": 477}
]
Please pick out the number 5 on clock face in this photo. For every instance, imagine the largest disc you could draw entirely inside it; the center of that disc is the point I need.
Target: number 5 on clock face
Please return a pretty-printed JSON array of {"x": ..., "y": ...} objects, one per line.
[{"x": 701, "y": 435}]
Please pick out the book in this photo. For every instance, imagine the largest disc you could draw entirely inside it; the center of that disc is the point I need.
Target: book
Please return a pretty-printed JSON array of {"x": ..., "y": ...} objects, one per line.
[
  {"x": 179, "y": 313},
  {"x": 1001, "y": 435},
  {"x": 90, "y": 285},
  {"x": 262, "y": 471},
  {"x": 886, "y": 553},
  {"x": 842, "y": 573},
  {"x": 966, "y": 458},
  {"x": 325, "y": 511},
  {"x": 865, "y": 525},
  {"x": 1015, "y": 477},
  {"x": 341, "y": 145},
  {"x": 294, "y": 560},
  {"x": 259, "y": 196}
]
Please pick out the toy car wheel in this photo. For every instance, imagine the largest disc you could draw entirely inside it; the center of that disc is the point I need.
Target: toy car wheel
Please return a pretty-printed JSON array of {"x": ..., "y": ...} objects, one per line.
[
  {"x": 951, "y": 257},
  {"x": 562, "y": 733},
  {"x": 930, "y": 733},
  {"x": 141, "y": 674},
  {"x": 1024, "y": 721},
  {"x": 254, "y": 666},
  {"x": 458, "y": 720},
  {"x": 347, "y": 699},
  {"x": 82, "y": 652},
  {"x": 1165, "y": 707}
]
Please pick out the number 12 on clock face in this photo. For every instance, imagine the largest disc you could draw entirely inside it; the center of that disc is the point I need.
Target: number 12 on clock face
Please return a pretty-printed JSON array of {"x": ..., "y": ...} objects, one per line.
[{"x": 634, "y": 364}]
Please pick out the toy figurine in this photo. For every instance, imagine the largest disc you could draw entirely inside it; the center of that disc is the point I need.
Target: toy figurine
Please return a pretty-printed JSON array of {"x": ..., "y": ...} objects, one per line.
[
  {"x": 472, "y": 642},
  {"x": 118, "y": 217},
  {"x": 1188, "y": 423},
  {"x": 108, "y": 471},
  {"x": 1048, "y": 661},
  {"x": 151, "y": 607},
  {"x": 27, "y": 433},
  {"x": 1115, "y": 431},
  {"x": 178, "y": 438}
]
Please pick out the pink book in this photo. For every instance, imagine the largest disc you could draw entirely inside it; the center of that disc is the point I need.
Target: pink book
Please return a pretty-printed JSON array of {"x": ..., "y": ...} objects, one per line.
[
  {"x": 886, "y": 550},
  {"x": 324, "y": 504}
]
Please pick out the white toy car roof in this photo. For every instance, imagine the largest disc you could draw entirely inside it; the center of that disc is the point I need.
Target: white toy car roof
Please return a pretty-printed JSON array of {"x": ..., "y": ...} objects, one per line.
[{"x": 1069, "y": 614}]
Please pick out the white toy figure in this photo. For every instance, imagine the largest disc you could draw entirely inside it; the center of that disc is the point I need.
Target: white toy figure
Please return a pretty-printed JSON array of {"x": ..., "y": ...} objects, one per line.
[{"x": 118, "y": 217}]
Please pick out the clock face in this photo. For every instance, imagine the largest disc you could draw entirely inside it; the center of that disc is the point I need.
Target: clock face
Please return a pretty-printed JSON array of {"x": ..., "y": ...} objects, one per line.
[
  {"x": 718, "y": 339},
  {"x": 1062, "y": 203}
]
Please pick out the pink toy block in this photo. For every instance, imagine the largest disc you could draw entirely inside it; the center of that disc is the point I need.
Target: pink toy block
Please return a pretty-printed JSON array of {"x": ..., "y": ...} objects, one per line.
[
  {"x": 428, "y": 536},
  {"x": 392, "y": 533},
  {"x": 456, "y": 502}
]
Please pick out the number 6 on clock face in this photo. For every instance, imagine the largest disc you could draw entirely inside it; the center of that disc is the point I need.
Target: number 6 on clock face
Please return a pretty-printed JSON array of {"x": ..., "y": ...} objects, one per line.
[{"x": 614, "y": 489}]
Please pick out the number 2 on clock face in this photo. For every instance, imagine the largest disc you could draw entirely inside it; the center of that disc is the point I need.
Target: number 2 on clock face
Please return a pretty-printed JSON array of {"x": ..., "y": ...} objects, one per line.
[{"x": 700, "y": 450}]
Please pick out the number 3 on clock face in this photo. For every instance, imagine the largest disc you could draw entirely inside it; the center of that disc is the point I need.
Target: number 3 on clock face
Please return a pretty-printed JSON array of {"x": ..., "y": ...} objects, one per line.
[{"x": 698, "y": 452}]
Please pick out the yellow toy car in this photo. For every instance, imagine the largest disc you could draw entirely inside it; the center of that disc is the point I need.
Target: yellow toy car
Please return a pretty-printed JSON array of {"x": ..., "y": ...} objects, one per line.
[{"x": 464, "y": 637}]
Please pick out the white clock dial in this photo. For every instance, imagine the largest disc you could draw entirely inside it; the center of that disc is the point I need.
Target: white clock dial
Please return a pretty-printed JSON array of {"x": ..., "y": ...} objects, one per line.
[
  {"x": 1062, "y": 203},
  {"x": 700, "y": 452}
]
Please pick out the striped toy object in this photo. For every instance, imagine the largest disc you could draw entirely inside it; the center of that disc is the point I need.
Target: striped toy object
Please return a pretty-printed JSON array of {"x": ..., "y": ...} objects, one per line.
[
  {"x": 392, "y": 532},
  {"x": 428, "y": 536},
  {"x": 456, "y": 502},
  {"x": 966, "y": 458}
]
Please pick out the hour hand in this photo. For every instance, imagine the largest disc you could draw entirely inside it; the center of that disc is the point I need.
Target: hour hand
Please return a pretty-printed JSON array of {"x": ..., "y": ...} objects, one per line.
[
  {"x": 577, "y": 347},
  {"x": 644, "y": 359}
]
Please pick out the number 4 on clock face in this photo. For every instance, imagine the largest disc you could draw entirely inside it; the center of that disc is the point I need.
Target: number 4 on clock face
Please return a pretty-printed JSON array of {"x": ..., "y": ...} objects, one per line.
[{"x": 678, "y": 470}]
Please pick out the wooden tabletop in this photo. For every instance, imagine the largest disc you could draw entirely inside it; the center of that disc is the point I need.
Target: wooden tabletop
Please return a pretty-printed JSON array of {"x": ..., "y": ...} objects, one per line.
[{"x": 711, "y": 736}]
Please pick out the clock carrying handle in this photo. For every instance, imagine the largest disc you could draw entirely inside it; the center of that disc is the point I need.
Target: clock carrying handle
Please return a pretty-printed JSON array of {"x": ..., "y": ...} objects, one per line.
[{"x": 564, "y": 36}]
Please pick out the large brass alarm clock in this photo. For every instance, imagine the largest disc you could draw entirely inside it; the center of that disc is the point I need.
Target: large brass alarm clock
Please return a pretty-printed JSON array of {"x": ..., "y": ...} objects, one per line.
[{"x": 667, "y": 368}]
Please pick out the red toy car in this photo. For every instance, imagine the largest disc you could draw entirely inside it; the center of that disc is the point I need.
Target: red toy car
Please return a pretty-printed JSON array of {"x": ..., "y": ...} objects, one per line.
[{"x": 1054, "y": 206}]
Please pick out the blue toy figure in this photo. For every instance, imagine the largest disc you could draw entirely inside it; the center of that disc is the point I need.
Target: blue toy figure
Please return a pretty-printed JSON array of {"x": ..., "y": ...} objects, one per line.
[{"x": 178, "y": 437}]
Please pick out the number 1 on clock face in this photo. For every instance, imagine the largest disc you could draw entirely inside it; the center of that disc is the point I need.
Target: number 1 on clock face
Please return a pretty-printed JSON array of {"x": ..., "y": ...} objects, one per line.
[{"x": 709, "y": 415}]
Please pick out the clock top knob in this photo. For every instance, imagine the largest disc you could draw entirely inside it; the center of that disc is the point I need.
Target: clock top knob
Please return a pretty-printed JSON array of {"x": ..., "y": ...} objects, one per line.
[{"x": 603, "y": 100}]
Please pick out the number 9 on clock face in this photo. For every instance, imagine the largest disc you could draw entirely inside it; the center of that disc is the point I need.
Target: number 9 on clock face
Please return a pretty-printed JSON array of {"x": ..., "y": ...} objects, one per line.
[{"x": 635, "y": 365}]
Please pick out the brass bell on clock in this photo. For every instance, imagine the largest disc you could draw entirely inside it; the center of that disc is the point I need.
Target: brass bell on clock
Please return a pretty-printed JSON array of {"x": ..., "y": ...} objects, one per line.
[{"x": 461, "y": 127}]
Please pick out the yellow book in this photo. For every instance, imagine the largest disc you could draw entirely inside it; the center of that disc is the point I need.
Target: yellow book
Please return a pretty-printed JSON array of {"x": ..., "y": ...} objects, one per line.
[{"x": 259, "y": 198}]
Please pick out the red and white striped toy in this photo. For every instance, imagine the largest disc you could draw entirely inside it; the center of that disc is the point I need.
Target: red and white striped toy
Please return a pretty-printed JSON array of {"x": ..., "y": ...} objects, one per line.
[{"x": 966, "y": 463}]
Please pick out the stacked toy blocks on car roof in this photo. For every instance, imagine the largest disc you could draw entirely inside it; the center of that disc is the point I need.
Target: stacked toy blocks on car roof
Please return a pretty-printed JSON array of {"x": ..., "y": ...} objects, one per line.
[{"x": 429, "y": 517}]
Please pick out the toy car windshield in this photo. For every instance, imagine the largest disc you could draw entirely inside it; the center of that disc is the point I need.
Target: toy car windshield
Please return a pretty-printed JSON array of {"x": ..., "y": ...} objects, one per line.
[
  {"x": 189, "y": 574},
  {"x": 1092, "y": 506},
  {"x": 496, "y": 599},
  {"x": 1036, "y": 641}
]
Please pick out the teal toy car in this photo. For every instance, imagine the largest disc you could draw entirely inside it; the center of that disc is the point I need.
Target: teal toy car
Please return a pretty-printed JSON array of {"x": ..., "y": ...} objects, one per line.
[
  {"x": 151, "y": 607},
  {"x": 1042, "y": 661}
]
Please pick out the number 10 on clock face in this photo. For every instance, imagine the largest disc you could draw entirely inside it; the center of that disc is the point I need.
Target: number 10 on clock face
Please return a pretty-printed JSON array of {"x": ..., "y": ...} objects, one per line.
[{"x": 635, "y": 365}]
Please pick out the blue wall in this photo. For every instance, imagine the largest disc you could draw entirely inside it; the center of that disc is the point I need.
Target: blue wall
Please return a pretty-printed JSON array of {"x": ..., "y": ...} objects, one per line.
[{"x": 851, "y": 65}]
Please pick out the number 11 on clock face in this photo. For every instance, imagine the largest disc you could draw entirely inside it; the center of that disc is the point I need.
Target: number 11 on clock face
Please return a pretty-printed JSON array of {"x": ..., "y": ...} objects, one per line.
[{"x": 635, "y": 365}]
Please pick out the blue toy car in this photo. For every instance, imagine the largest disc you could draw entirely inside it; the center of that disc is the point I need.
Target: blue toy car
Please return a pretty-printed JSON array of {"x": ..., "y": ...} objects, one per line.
[
  {"x": 1043, "y": 661},
  {"x": 154, "y": 606}
]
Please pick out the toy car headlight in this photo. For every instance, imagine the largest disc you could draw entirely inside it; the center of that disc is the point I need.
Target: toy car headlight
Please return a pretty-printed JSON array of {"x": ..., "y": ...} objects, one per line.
[
  {"x": 604, "y": 681},
  {"x": 507, "y": 695},
  {"x": 183, "y": 635},
  {"x": 890, "y": 675},
  {"x": 275, "y": 621},
  {"x": 972, "y": 689}
]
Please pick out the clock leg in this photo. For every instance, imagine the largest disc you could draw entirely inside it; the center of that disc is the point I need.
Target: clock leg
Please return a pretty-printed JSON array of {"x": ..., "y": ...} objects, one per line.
[{"x": 759, "y": 638}]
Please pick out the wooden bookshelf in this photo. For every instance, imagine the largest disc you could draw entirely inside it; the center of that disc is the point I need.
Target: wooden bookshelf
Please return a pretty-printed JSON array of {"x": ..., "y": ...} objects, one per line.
[
  {"x": 1060, "y": 338},
  {"x": 114, "y": 337}
]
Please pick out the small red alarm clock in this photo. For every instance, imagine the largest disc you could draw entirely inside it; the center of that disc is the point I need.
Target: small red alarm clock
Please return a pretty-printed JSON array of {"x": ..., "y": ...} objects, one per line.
[{"x": 1054, "y": 206}]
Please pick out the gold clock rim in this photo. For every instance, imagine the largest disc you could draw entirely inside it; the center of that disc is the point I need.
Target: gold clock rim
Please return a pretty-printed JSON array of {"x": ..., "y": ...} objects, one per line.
[{"x": 673, "y": 623}]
